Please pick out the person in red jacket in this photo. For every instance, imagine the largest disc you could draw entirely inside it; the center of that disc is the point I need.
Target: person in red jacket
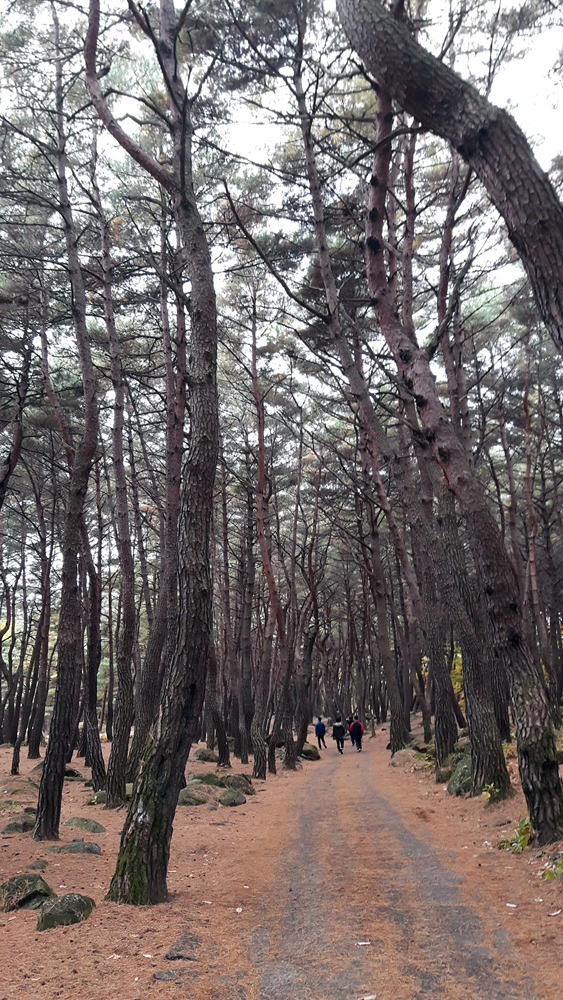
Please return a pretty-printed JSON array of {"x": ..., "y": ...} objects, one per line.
[{"x": 356, "y": 733}]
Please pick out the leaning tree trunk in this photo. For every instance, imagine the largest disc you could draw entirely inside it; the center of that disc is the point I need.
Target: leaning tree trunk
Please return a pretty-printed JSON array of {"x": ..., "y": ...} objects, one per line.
[
  {"x": 487, "y": 138},
  {"x": 140, "y": 875}
]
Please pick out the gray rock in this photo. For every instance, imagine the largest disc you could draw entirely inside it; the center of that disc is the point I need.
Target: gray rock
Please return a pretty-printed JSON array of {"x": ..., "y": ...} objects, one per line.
[
  {"x": 71, "y": 908},
  {"x": 460, "y": 781},
  {"x": 85, "y": 824},
  {"x": 241, "y": 782},
  {"x": 38, "y": 866},
  {"x": 184, "y": 948},
  {"x": 232, "y": 797},
  {"x": 78, "y": 847},
  {"x": 24, "y": 892},
  {"x": 167, "y": 975},
  {"x": 309, "y": 752}
]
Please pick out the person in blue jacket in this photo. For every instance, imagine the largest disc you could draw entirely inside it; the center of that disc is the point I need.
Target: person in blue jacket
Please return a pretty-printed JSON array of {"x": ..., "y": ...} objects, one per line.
[{"x": 320, "y": 730}]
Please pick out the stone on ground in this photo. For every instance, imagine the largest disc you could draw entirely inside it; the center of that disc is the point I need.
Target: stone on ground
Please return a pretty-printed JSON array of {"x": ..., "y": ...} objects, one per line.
[
  {"x": 184, "y": 947},
  {"x": 309, "y": 752},
  {"x": 24, "y": 892},
  {"x": 232, "y": 797},
  {"x": 71, "y": 908},
  {"x": 91, "y": 825}
]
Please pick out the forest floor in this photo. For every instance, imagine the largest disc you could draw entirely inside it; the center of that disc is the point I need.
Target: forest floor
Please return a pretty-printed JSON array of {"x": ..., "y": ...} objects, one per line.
[{"x": 347, "y": 879}]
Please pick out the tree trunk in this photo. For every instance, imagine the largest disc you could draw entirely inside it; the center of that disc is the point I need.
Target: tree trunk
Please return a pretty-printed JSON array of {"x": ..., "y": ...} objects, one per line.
[{"x": 140, "y": 875}]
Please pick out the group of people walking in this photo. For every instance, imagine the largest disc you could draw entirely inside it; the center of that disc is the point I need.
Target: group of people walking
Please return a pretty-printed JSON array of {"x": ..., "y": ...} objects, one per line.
[{"x": 355, "y": 729}]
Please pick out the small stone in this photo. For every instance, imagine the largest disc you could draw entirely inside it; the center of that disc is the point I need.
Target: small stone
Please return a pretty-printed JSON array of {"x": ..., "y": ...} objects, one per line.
[
  {"x": 184, "y": 948},
  {"x": 39, "y": 865},
  {"x": 240, "y": 781},
  {"x": 20, "y": 824},
  {"x": 167, "y": 975}
]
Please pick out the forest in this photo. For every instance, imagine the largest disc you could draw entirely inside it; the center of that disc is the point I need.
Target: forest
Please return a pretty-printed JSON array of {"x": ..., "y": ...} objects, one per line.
[{"x": 281, "y": 317}]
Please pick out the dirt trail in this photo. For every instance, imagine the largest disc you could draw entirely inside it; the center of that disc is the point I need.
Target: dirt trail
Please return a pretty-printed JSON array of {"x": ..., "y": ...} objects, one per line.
[
  {"x": 281, "y": 893},
  {"x": 354, "y": 872}
]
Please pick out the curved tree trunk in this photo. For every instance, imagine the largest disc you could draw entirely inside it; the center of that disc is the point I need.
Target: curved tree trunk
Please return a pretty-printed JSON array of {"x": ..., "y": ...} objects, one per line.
[{"x": 487, "y": 137}]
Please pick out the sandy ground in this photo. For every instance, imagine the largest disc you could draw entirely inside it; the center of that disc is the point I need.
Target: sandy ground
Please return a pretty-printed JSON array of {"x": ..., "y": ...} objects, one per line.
[{"x": 347, "y": 879}]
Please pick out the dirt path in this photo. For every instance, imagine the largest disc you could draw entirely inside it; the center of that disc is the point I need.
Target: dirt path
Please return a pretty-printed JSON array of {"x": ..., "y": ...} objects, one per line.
[
  {"x": 364, "y": 906},
  {"x": 345, "y": 880}
]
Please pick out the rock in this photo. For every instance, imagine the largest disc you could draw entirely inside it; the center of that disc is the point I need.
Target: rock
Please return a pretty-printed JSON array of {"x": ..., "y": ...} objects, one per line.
[
  {"x": 85, "y": 824},
  {"x": 192, "y": 797},
  {"x": 460, "y": 781},
  {"x": 39, "y": 865},
  {"x": 167, "y": 975},
  {"x": 71, "y": 773},
  {"x": 403, "y": 757},
  {"x": 241, "y": 782},
  {"x": 443, "y": 775},
  {"x": 20, "y": 824},
  {"x": 209, "y": 756},
  {"x": 99, "y": 798},
  {"x": 210, "y": 779},
  {"x": 71, "y": 908},
  {"x": 184, "y": 948},
  {"x": 78, "y": 847},
  {"x": 232, "y": 797},
  {"x": 309, "y": 752},
  {"x": 24, "y": 892}
]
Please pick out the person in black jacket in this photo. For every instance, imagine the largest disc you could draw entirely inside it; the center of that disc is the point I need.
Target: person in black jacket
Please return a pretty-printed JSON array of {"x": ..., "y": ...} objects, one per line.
[
  {"x": 356, "y": 733},
  {"x": 338, "y": 733},
  {"x": 320, "y": 730}
]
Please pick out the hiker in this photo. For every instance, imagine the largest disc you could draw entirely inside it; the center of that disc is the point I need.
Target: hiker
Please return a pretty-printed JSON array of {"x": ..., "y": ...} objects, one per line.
[
  {"x": 356, "y": 733},
  {"x": 349, "y": 724},
  {"x": 338, "y": 734},
  {"x": 320, "y": 730}
]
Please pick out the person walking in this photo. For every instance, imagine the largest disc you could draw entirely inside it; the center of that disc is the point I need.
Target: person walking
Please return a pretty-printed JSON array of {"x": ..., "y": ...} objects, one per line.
[
  {"x": 356, "y": 733},
  {"x": 338, "y": 733},
  {"x": 350, "y": 723},
  {"x": 320, "y": 730}
]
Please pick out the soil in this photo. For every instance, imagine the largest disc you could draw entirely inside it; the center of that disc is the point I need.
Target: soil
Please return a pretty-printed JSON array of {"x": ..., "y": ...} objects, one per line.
[{"x": 347, "y": 879}]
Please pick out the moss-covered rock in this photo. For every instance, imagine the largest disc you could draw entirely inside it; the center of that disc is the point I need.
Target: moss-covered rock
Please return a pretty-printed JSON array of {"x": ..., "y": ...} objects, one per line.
[
  {"x": 443, "y": 774},
  {"x": 71, "y": 908},
  {"x": 209, "y": 756},
  {"x": 91, "y": 825},
  {"x": 24, "y": 892},
  {"x": 191, "y": 796},
  {"x": 403, "y": 757},
  {"x": 99, "y": 798},
  {"x": 460, "y": 781},
  {"x": 20, "y": 824},
  {"x": 242, "y": 782},
  {"x": 78, "y": 847},
  {"x": 232, "y": 797},
  {"x": 210, "y": 779},
  {"x": 309, "y": 752},
  {"x": 39, "y": 865}
]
